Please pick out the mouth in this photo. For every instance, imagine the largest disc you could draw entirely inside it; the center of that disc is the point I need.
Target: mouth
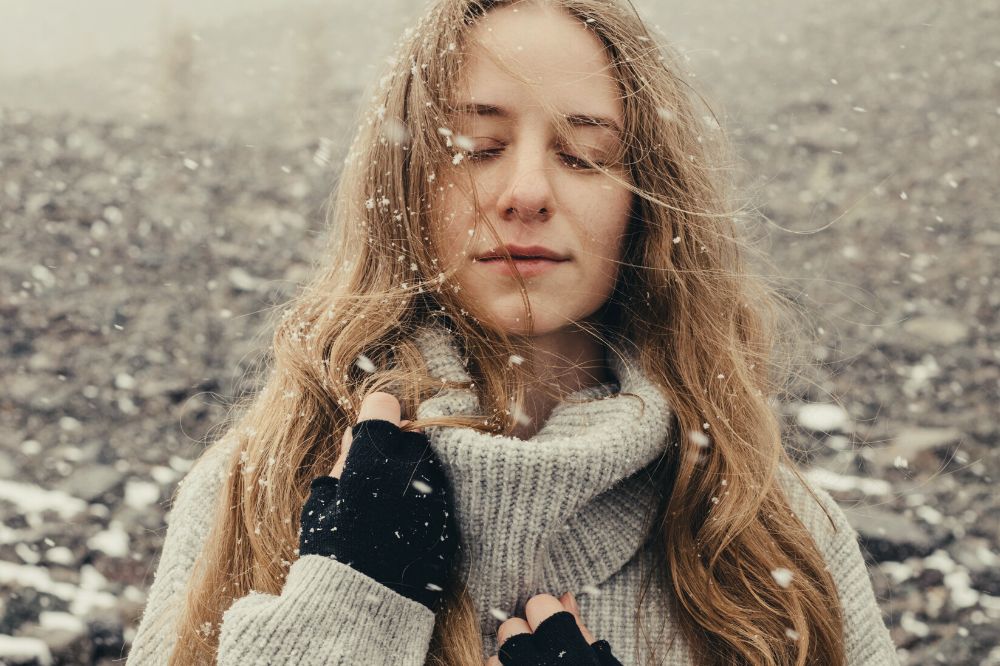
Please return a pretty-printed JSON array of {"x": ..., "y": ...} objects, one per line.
[
  {"x": 520, "y": 259},
  {"x": 526, "y": 266}
]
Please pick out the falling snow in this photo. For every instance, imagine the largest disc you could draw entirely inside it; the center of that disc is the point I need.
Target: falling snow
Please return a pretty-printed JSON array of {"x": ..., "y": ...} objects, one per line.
[
  {"x": 782, "y": 576},
  {"x": 365, "y": 363},
  {"x": 499, "y": 614}
]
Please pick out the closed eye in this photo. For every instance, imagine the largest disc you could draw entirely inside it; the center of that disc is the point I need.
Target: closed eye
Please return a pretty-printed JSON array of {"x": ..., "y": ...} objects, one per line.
[
  {"x": 571, "y": 161},
  {"x": 575, "y": 162},
  {"x": 484, "y": 154}
]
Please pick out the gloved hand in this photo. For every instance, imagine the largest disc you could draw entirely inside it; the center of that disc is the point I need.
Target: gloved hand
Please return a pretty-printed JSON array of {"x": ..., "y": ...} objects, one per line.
[
  {"x": 389, "y": 516},
  {"x": 557, "y": 641}
]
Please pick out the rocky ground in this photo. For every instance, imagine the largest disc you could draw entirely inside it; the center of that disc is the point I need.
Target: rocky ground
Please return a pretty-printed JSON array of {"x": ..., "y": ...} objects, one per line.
[{"x": 141, "y": 261}]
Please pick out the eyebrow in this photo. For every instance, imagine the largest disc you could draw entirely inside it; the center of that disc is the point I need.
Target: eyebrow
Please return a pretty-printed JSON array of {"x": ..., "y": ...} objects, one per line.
[{"x": 574, "y": 119}]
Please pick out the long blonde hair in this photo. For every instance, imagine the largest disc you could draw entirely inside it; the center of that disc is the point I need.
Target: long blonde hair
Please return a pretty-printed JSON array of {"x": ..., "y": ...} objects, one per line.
[{"x": 705, "y": 327}]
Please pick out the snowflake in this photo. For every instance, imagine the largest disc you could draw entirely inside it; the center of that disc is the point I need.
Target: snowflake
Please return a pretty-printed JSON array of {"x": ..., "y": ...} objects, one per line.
[{"x": 782, "y": 576}]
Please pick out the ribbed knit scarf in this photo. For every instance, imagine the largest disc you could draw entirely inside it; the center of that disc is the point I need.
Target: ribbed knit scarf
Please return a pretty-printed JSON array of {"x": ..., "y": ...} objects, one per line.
[{"x": 560, "y": 511}]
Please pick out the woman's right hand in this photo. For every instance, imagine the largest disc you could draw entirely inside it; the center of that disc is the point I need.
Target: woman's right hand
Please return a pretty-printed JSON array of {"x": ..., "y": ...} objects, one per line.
[
  {"x": 378, "y": 405},
  {"x": 386, "y": 509}
]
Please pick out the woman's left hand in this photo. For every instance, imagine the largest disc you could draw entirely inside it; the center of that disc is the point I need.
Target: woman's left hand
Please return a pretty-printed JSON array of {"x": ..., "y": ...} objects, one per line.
[{"x": 553, "y": 634}]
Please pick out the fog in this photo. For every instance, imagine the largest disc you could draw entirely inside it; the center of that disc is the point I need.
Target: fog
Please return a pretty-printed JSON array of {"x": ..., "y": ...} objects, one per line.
[
  {"x": 40, "y": 37},
  {"x": 245, "y": 62}
]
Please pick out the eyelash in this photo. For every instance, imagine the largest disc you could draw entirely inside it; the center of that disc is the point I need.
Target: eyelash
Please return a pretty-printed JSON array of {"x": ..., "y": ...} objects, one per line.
[{"x": 574, "y": 162}]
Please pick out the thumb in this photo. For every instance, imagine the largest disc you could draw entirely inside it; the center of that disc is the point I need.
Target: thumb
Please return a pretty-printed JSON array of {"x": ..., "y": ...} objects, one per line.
[{"x": 378, "y": 405}]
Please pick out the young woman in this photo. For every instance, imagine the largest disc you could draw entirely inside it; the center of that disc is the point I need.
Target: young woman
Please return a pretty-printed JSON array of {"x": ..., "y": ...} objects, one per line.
[{"x": 532, "y": 259}]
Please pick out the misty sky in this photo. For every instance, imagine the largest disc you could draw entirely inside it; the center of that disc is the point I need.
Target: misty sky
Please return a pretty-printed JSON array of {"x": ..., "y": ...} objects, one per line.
[
  {"x": 49, "y": 34},
  {"x": 38, "y": 36}
]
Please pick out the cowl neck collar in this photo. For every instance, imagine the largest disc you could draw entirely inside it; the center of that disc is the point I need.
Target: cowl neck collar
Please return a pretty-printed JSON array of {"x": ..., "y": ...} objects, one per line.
[{"x": 557, "y": 512}]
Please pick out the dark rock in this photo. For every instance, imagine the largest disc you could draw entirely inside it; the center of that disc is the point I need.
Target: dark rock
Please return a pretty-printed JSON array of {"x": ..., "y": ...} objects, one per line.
[
  {"x": 106, "y": 635},
  {"x": 965, "y": 643},
  {"x": 22, "y": 606},
  {"x": 987, "y": 580}
]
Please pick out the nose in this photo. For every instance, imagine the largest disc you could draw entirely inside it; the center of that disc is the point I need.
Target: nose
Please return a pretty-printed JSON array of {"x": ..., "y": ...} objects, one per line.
[{"x": 527, "y": 192}]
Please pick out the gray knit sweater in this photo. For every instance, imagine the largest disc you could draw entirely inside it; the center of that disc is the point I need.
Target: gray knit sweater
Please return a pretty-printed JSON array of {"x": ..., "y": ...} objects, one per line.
[{"x": 562, "y": 511}]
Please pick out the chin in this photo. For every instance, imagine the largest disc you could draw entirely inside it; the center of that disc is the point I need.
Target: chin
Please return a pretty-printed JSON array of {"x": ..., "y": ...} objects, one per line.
[
  {"x": 506, "y": 312},
  {"x": 516, "y": 322}
]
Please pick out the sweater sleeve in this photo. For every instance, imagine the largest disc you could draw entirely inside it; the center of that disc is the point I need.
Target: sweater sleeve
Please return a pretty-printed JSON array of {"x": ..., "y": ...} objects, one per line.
[
  {"x": 327, "y": 613},
  {"x": 867, "y": 640}
]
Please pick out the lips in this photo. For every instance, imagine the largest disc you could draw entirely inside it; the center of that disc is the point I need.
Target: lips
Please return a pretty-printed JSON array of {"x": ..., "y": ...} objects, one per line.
[
  {"x": 517, "y": 258},
  {"x": 525, "y": 267},
  {"x": 523, "y": 253}
]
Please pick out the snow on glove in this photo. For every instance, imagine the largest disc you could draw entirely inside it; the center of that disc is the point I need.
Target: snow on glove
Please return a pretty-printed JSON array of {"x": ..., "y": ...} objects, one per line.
[
  {"x": 556, "y": 641},
  {"x": 390, "y": 516}
]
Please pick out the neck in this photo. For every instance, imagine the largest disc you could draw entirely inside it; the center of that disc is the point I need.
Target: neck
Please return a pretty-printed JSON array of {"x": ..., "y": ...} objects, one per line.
[{"x": 559, "y": 363}]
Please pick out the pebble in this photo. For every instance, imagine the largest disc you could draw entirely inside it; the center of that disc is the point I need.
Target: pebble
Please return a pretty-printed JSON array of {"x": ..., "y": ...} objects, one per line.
[
  {"x": 937, "y": 330},
  {"x": 820, "y": 417}
]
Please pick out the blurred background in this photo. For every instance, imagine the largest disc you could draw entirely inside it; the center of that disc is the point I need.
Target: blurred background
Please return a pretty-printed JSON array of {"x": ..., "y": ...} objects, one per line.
[{"x": 163, "y": 168}]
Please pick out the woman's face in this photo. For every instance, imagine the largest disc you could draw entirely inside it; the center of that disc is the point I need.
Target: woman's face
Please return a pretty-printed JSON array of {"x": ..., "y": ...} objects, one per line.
[{"x": 529, "y": 183}]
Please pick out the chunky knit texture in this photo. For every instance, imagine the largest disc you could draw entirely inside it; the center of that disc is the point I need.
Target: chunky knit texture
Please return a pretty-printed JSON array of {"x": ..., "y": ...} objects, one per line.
[{"x": 563, "y": 511}]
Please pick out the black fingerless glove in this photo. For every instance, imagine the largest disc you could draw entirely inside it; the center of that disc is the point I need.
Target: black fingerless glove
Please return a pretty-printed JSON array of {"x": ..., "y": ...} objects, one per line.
[
  {"x": 557, "y": 641},
  {"x": 389, "y": 516}
]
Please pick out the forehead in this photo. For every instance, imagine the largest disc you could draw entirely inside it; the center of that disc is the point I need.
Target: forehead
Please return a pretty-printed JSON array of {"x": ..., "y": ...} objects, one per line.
[{"x": 550, "y": 56}]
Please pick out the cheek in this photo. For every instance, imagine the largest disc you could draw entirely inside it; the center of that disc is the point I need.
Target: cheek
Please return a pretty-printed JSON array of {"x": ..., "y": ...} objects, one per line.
[
  {"x": 609, "y": 216},
  {"x": 451, "y": 220}
]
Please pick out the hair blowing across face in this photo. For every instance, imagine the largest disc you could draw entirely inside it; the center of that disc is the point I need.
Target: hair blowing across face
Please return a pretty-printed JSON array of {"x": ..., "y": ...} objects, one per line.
[{"x": 703, "y": 326}]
